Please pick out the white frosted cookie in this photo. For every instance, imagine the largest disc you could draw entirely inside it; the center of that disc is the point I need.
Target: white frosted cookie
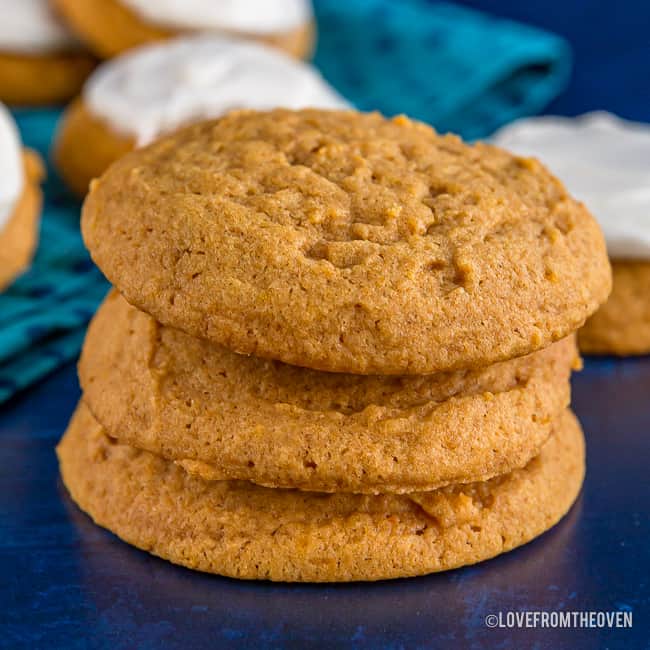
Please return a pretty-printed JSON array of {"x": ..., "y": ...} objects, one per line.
[
  {"x": 158, "y": 88},
  {"x": 244, "y": 16},
  {"x": 21, "y": 171},
  {"x": 12, "y": 178},
  {"x": 32, "y": 27},
  {"x": 155, "y": 89},
  {"x": 604, "y": 161}
]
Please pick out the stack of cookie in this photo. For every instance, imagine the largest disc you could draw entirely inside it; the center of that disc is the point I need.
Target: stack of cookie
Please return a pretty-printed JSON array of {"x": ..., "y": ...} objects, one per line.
[{"x": 340, "y": 350}]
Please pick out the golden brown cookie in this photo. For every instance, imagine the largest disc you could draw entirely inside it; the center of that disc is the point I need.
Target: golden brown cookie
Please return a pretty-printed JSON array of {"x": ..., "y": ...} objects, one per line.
[
  {"x": 19, "y": 237},
  {"x": 78, "y": 162},
  {"x": 237, "y": 529},
  {"x": 42, "y": 79},
  {"x": 347, "y": 242},
  {"x": 622, "y": 325},
  {"x": 225, "y": 416},
  {"x": 109, "y": 28}
]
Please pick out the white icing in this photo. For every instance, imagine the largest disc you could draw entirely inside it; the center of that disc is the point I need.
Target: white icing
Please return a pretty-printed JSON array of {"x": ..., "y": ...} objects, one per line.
[
  {"x": 243, "y": 16},
  {"x": 604, "y": 161},
  {"x": 31, "y": 27},
  {"x": 157, "y": 88},
  {"x": 11, "y": 166}
]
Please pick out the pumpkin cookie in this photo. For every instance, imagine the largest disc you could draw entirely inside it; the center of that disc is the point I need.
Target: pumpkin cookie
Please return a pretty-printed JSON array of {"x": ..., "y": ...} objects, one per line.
[
  {"x": 20, "y": 201},
  {"x": 347, "y": 242},
  {"x": 40, "y": 61},
  {"x": 112, "y": 26},
  {"x": 622, "y": 325},
  {"x": 226, "y": 416},
  {"x": 238, "y": 529},
  {"x": 604, "y": 162},
  {"x": 131, "y": 100}
]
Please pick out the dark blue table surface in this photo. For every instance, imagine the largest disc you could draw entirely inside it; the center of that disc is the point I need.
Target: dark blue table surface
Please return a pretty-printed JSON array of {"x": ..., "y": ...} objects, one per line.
[
  {"x": 66, "y": 583},
  {"x": 69, "y": 584}
]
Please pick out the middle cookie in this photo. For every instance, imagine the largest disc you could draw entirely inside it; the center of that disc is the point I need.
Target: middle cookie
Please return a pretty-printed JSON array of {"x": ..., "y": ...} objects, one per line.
[{"x": 226, "y": 416}]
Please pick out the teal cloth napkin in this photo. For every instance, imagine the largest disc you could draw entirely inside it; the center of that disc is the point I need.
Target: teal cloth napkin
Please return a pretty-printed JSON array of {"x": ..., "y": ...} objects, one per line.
[{"x": 457, "y": 69}]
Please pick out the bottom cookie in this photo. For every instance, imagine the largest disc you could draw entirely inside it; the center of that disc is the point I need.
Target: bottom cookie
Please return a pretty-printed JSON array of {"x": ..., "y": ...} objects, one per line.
[
  {"x": 19, "y": 237},
  {"x": 622, "y": 325},
  {"x": 238, "y": 529}
]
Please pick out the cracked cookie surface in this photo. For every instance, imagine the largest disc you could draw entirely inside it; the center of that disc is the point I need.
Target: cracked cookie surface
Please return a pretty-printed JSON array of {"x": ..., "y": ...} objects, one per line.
[
  {"x": 347, "y": 242},
  {"x": 224, "y": 416},
  {"x": 238, "y": 529}
]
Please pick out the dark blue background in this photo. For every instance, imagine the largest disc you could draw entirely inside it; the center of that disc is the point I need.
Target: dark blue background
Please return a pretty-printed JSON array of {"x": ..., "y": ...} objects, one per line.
[
  {"x": 66, "y": 583},
  {"x": 611, "y": 48}
]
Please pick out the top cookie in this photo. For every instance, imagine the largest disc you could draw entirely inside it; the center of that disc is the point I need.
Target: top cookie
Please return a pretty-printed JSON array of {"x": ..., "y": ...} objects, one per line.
[{"x": 347, "y": 242}]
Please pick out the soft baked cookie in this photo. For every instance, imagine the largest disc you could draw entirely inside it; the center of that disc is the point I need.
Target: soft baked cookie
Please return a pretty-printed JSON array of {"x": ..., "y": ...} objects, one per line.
[
  {"x": 112, "y": 26},
  {"x": 604, "y": 161},
  {"x": 347, "y": 242},
  {"x": 622, "y": 325},
  {"x": 223, "y": 415},
  {"x": 245, "y": 531},
  {"x": 131, "y": 100},
  {"x": 40, "y": 61},
  {"x": 20, "y": 201}
]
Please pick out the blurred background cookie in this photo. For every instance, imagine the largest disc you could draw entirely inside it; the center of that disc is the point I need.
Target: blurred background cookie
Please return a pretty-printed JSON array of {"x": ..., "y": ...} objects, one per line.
[
  {"x": 41, "y": 62},
  {"x": 112, "y": 26},
  {"x": 604, "y": 162},
  {"x": 20, "y": 201},
  {"x": 155, "y": 89}
]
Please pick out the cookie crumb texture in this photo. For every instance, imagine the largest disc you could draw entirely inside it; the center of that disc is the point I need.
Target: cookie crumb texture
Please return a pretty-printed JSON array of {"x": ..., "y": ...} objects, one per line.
[
  {"x": 347, "y": 242},
  {"x": 622, "y": 325},
  {"x": 245, "y": 531},
  {"x": 224, "y": 416}
]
